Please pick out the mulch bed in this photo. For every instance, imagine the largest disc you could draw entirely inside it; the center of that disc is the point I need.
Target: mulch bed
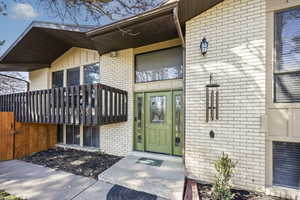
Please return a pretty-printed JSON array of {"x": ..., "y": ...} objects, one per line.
[
  {"x": 5, "y": 196},
  {"x": 205, "y": 194},
  {"x": 89, "y": 164}
]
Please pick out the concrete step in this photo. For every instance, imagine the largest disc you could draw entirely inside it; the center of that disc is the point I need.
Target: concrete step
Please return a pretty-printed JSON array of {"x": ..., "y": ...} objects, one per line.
[{"x": 165, "y": 180}]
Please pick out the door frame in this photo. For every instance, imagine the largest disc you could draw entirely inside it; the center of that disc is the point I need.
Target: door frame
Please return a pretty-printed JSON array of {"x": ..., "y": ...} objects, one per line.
[{"x": 142, "y": 93}]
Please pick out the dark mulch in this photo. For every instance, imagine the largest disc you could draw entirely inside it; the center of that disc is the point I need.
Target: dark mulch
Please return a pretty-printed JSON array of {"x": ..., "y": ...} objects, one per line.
[
  {"x": 83, "y": 163},
  {"x": 5, "y": 196},
  {"x": 205, "y": 194}
]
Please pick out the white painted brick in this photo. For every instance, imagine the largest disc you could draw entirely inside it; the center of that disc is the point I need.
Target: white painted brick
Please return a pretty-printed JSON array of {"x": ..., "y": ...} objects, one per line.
[{"x": 235, "y": 30}]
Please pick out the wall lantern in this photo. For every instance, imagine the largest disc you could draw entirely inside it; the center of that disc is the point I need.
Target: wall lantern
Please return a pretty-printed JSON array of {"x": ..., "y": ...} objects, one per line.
[
  {"x": 204, "y": 46},
  {"x": 212, "y": 100}
]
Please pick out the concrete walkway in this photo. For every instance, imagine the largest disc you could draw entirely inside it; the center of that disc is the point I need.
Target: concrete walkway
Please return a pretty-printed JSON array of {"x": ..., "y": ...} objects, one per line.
[
  {"x": 166, "y": 179},
  {"x": 35, "y": 182}
]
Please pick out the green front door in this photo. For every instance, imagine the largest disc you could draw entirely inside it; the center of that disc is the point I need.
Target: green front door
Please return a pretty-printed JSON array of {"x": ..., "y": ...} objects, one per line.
[{"x": 158, "y": 122}]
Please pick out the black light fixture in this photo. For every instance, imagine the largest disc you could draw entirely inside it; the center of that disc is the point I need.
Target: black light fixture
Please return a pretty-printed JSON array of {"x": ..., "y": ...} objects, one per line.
[{"x": 204, "y": 46}]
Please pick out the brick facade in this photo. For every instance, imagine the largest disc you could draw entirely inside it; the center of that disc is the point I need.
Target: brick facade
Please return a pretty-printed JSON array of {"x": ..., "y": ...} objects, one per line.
[
  {"x": 118, "y": 72},
  {"x": 235, "y": 30}
]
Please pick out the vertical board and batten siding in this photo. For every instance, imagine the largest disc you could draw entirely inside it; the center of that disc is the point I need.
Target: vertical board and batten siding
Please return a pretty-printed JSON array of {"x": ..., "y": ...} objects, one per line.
[{"x": 235, "y": 30}]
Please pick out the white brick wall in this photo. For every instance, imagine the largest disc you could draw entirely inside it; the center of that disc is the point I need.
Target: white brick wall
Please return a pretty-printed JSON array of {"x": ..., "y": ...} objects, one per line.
[
  {"x": 235, "y": 30},
  {"x": 118, "y": 72}
]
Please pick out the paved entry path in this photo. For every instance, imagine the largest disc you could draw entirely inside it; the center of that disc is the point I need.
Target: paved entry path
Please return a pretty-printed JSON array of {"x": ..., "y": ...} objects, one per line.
[
  {"x": 156, "y": 174},
  {"x": 35, "y": 182}
]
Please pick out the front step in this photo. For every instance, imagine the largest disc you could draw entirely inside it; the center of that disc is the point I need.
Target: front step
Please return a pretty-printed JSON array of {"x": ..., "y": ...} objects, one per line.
[{"x": 156, "y": 174}]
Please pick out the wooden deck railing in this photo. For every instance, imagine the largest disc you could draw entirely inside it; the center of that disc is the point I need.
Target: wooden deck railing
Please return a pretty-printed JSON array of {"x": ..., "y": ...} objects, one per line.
[{"x": 95, "y": 104}]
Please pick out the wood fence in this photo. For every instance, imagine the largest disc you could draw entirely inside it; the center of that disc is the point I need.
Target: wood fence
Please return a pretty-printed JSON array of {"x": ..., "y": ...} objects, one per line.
[
  {"x": 95, "y": 104},
  {"x": 20, "y": 139}
]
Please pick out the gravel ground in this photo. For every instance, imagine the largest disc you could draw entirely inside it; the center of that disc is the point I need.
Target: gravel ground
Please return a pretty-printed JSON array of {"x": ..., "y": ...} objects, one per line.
[
  {"x": 5, "y": 196},
  {"x": 83, "y": 163},
  {"x": 205, "y": 194}
]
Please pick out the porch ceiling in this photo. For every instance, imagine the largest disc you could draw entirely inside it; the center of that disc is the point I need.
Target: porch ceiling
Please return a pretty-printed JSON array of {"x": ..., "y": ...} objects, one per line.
[
  {"x": 153, "y": 26},
  {"x": 41, "y": 43}
]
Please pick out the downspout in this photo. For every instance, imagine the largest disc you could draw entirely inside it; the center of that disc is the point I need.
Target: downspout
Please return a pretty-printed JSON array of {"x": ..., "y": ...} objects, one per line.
[
  {"x": 178, "y": 26},
  {"x": 180, "y": 34}
]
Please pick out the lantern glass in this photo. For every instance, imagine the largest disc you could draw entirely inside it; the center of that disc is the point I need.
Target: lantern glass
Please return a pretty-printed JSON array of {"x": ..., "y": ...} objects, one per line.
[{"x": 204, "y": 46}]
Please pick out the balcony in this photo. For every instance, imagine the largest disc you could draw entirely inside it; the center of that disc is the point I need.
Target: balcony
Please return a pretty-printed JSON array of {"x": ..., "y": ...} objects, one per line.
[{"x": 95, "y": 104}]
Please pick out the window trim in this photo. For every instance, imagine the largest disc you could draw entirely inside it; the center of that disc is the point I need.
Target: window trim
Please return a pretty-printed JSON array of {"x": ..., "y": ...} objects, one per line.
[
  {"x": 153, "y": 51},
  {"x": 274, "y": 57}
]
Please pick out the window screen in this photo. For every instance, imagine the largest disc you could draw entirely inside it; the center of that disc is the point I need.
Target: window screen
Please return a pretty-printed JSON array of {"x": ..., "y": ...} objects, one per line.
[
  {"x": 73, "y": 134},
  {"x": 92, "y": 74},
  {"x": 159, "y": 65},
  {"x": 286, "y": 164},
  {"x": 287, "y": 59},
  {"x": 91, "y": 136},
  {"x": 57, "y": 79},
  {"x": 73, "y": 76}
]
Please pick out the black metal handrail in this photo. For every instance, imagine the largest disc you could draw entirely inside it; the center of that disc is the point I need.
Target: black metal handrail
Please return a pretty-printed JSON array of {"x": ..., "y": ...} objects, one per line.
[{"x": 95, "y": 104}]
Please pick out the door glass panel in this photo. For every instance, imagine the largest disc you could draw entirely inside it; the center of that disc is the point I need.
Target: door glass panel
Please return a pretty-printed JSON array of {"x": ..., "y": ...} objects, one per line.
[
  {"x": 158, "y": 109},
  {"x": 178, "y": 118}
]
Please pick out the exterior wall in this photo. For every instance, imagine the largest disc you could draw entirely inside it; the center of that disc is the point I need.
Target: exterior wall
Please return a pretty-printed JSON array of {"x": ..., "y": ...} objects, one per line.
[
  {"x": 39, "y": 79},
  {"x": 118, "y": 72},
  {"x": 235, "y": 30},
  {"x": 282, "y": 118}
]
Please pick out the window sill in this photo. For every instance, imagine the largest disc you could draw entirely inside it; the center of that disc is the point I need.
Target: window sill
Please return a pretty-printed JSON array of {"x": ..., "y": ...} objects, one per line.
[
  {"x": 283, "y": 192},
  {"x": 80, "y": 148}
]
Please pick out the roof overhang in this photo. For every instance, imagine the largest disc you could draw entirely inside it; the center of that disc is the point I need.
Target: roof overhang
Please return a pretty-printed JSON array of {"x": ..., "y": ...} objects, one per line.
[
  {"x": 150, "y": 27},
  {"x": 41, "y": 43}
]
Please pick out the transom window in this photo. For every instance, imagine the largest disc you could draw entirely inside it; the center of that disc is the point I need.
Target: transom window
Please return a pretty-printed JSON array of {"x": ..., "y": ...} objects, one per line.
[
  {"x": 159, "y": 65},
  {"x": 287, "y": 56}
]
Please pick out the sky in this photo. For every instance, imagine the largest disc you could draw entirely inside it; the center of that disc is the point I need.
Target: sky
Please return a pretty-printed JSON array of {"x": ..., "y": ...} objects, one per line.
[{"x": 19, "y": 17}]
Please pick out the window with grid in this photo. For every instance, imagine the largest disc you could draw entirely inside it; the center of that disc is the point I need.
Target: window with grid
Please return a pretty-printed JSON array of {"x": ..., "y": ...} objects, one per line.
[
  {"x": 287, "y": 56},
  {"x": 57, "y": 79}
]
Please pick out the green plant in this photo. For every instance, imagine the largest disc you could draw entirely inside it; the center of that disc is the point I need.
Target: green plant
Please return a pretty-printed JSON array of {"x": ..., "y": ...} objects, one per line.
[{"x": 221, "y": 188}]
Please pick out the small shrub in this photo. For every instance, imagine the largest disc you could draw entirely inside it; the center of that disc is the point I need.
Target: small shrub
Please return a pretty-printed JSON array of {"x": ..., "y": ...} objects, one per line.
[{"x": 221, "y": 189}]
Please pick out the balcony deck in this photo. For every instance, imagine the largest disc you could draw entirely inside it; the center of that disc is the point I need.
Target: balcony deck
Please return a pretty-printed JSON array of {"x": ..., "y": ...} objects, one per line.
[{"x": 95, "y": 104}]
